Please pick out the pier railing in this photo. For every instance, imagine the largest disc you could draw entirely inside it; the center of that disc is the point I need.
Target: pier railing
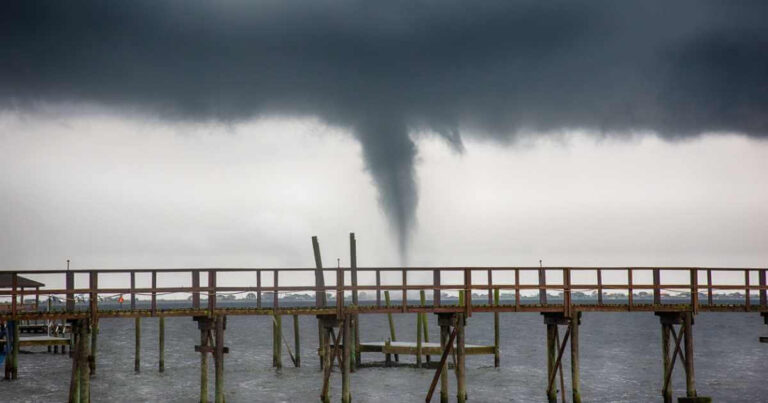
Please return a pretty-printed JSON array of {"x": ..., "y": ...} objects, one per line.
[{"x": 610, "y": 289}]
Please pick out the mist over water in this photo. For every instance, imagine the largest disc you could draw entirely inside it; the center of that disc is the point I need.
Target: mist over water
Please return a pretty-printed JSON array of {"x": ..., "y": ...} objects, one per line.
[{"x": 620, "y": 362}]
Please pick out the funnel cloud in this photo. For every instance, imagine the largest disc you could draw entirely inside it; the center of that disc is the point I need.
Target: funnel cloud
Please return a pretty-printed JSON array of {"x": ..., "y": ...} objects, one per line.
[{"x": 385, "y": 70}]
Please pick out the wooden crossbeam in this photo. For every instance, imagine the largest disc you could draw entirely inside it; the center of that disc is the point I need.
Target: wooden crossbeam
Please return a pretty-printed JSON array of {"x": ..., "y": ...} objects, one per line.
[
  {"x": 559, "y": 358},
  {"x": 441, "y": 365},
  {"x": 678, "y": 338}
]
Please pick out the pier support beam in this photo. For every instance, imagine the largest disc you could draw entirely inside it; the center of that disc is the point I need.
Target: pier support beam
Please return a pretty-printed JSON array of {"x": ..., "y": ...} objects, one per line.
[
  {"x": 161, "y": 344},
  {"x": 346, "y": 396},
  {"x": 556, "y": 350},
  {"x": 137, "y": 352},
  {"x": 685, "y": 353},
  {"x": 461, "y": 387},
  {"x": 212, "y": 341},
  {"x": 277, "y": 335},
  {"x": 80, "y": 384},
  {"x": 94, "y": 340},
  {"x": 330, "y": 352},
  {"x": 296, "y": 341},
  {"x": 445, "y": 327}
]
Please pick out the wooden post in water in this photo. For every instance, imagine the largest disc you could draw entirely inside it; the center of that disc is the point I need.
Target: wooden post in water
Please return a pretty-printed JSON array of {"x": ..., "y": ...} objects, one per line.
[
  {"x": 219, "y": 358},
  {"x": 94, "y": 340},
  {"x": 161, "y": 343},
  {"x": 496, "y": 333},
  {"x": 277, "y": 335},
  {"x": 575, "y": 376},
  {"x": 320, "y": 300},
  {"x": 461, "y": 388},
  {"x": 551, "y": 358},
  {"x": 392, "y": 336},
  {"x": 444, "y": 330},
  {"x": 690, "y": 382},
  {"x": 419, "y": 331},
  {"x": 83, "y": 353},
  {"x": 74, "y": 379},
  {"x": 346, "y": 396},
  {"x": 137, "y": 352},
  {"x": 666, "y": 391},
  {"x": 296, "y": 340},
  {"x": 204, "y": 324},
  {"x": 355, "y": 301},
  {"x": 15, "y": 350}
]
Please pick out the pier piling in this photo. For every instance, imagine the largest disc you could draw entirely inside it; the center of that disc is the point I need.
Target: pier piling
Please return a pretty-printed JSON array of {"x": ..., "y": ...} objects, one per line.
[
  {"x": 137, "y": 352},
  {"x": 161, "y": 343},
  {"x": 219, "y": 357},
  {"x": 461, "y": 387},
  {"x": 277, "y": 350},
  {"x": 346, "y": 396},
  {"x": 296, "y": 341},
  {"x": 392, "y": 335},
  {"x": 575, "y": 376},
  {"x": 496, "y": 334}
]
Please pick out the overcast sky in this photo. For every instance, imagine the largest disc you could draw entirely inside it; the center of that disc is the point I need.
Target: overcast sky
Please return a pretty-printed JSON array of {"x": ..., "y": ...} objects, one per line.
[{"x": 227, "y": 134}]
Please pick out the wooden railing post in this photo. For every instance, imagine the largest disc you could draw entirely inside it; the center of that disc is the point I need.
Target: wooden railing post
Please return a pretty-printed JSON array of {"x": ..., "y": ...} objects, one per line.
[
  {"x": 339, "y": 292},
  {"x": 656, "y": 287},
  {"x": 14, "y": 296},
  {"x": 763, "y": 294},
  {"x": 211, "y": 292},
  {"x": 517, "y": 289},
  {"x": 94, "y": 296},
  {"x": 437, "y": 292},
  {"x": 567, "y": 304},
  {"x": 599, "y": 287},
  {"x": 630, "y": 290},
  {"x": 748, "y": 300},
  {"x": 709, "y": 287},
  {"x": 133, "y": 291},
  {"x": 490, "y": 287},
  {"x": 542, "y": 286},
  {"x": 154, "y": 293},
  {"x": 275, "y": 295},
  {"x": 70, "y": 283},
  {"x": 258, "y": 288},
  {"x": 196, "y": 289},
  {"x": 694, "y": 291},
  {"x": 468, "y": 292},
  {"x": 353, "y": 267},
  {"x": 405, "y": 291}
]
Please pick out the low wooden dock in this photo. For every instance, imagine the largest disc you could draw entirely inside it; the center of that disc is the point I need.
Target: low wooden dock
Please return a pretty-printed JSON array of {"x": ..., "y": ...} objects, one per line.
[{"x": 657, "y": 290}]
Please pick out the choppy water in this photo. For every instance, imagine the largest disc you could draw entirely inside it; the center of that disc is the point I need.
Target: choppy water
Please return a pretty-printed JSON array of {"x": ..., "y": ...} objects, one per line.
[{"x": 620, "y": 362}]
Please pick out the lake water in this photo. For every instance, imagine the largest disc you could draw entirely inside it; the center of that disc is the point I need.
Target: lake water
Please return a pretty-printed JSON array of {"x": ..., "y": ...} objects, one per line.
[{"x": 620, "y": 362}]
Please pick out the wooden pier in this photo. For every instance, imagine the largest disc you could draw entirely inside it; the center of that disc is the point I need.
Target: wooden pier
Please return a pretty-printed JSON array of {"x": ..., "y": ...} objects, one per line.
[{"x": 560, "y": 294}]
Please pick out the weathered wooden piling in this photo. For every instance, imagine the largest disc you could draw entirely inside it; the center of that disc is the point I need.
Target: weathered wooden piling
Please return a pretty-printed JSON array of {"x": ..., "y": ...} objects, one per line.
[
  {"x": 690, "y": 381},
  {"x": 204, "y": 324},
  {"x": 277, "y": 335},
  {"x": 551, "y": 358},
  {"x": 575, "y": 376},
  {"x": 83, "y": 358},
  {"x": 392, "y": 335},
  {"x": 137, "y": 352},
  {"x": 161, "y": 343},
  {"x": 15, "y": 350},
  {"x": 296, "y": 341},
  {"x": 320, "y": 300},
  {"x": 356, "y": 359},
  {"x": 496, "y": 334},
  {"x": 94, "y": 340},
  {"x": 666, "y": 390},
  {"x": 219, "y": 358},
  {"x": 461, "y": 387},
  {"x": 424, "y": 323},
  {"x": 74, "y": 379},
  {"x": 346, "y": 396},
  {"x": 419, "y": 331}
]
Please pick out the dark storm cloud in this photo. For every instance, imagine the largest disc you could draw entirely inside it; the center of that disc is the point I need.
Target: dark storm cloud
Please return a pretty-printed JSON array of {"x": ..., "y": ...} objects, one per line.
[{"x": 385, "y": 69}]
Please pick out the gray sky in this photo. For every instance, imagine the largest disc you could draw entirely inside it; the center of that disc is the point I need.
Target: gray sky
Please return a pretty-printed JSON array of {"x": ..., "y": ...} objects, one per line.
[{"x": 228, "y": 133}]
